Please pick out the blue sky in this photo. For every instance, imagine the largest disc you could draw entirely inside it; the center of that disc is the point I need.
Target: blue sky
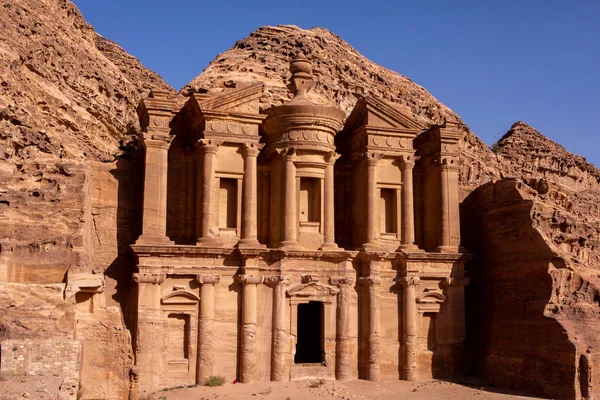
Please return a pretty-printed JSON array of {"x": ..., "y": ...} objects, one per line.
[{"x": 493, "y": 62}]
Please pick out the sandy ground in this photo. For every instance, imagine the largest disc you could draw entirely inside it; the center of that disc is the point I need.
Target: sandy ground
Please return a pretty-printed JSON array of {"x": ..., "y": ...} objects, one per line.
[{"x": 353, "y": 390}]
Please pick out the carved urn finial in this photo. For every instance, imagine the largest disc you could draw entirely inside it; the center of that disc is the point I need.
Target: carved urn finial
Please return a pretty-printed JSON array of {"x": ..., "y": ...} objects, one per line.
[{"x": 302, "y": 79}]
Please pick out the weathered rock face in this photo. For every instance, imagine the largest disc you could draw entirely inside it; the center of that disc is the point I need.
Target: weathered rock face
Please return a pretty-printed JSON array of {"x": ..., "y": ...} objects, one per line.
[
  {"x": 534, "y": 297},
  {"x": 69, "y": 209},
  {"x": 67, "y": 98}
]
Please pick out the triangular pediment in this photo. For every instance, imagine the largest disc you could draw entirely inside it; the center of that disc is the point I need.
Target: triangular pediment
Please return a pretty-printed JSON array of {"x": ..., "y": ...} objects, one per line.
[
  {"x": 242, "y": 100},
  {"x": 376, "y": 113}
]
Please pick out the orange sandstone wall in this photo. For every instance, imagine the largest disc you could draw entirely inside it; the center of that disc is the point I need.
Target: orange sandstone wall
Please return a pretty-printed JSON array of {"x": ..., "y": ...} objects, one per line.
[{"x": 512, "y": 340}]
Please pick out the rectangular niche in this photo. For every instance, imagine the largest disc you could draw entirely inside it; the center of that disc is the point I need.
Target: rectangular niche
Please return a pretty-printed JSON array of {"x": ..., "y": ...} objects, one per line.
[
  {"x": 178, "y": 341},
  {"x": 228, "y": 203},
  {"x": 388, "y": 207},
  {"x": 310, "y": 200}
]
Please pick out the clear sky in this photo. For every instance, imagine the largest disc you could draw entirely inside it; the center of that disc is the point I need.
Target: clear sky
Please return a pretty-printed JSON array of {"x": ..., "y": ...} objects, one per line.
[{"x": 494, "y": 62}]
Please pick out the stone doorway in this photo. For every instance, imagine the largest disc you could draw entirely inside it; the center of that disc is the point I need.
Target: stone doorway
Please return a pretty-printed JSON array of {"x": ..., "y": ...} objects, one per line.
[{"x": 310, "y": 328}]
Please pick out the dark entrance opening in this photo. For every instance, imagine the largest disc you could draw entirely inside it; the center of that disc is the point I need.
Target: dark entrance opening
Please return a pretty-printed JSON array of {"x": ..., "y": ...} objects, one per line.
[{"x": 310, "y": 333}]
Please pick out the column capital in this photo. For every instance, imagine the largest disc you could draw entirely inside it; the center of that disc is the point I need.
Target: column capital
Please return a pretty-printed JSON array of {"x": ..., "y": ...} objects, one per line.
[
  {"x": 274, "y": 280},
  {"x": 208, "y": 279},
  {"x": 452, "y": 281},
  {"x": 287, "y": 153},
  {"x": 209, "y": 145},
  {"x": 371, "y": 280},
  {"x": 252, "y": 149},
  {"x": 155, "y": 140},
  {"x": 331, "y": 157},
  {"x": 372, "y": 157},
  {"x": 341, "y": 281},
  {"x": 148, "y": 278},
  {"x": 408, "y": 281},
  {"x": 407, "y": 161},
  {"x": 250, "y": 279}
]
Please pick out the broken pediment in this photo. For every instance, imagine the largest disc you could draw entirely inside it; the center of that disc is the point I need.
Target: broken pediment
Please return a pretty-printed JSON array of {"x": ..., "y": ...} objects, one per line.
[
  {"x": 312, "y": 289},
  {"x": 243, "y": 100},
  {"x": 375, "y": 113}
]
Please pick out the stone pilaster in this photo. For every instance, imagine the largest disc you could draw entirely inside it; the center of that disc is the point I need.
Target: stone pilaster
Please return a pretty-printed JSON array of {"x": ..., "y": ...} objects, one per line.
[
  {"x": 249, "y": 236},
  {"x": 342, "y": 338},
  {"x": 248, "y": 351},
  {"x": 205, "y": 359},
  {"x": 148, "y": 329},
  {"x": 329, "y": 222},
  {"x": 372, "y": 285},
  {"x": 410, "y": 326},
  {"x": 207, "y": 221},
  {"x": 290, "y": 209},
  {"x": 454, "y": 289},
  {"x": 279, "y": 341},
  {"x": 372, "y": 158},
  {"x": 449, "y": 217},
  {"x": 407, "y": 205},
  {"x": 155, "y": 116}
]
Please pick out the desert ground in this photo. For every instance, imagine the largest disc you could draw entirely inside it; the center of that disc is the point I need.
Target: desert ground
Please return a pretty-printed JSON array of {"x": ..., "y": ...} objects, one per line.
[{"x": 353, "y": 390}]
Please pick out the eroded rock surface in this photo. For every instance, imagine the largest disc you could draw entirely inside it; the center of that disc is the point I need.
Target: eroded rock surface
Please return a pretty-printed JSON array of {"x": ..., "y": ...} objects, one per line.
[{"x": 68, "y": 207}]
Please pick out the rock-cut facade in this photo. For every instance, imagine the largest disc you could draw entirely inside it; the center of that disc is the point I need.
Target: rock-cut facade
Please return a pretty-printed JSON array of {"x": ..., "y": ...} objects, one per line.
[{"x": 295, "y": 242}]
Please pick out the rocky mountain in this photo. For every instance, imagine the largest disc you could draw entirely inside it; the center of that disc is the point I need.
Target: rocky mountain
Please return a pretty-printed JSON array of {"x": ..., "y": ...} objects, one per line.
[{"x": 68, "y": 98}]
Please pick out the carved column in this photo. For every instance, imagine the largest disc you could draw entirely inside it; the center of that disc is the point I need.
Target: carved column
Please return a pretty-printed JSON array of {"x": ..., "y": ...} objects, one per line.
[
  {"x": 205, "y": 359},
  {"x": 248, "y": 373},
  {"x": 342, "y": 339},
  {"x": 154, "y": 219},
  {"x": 290, "y": 223},
  {"x": 148, "y": 341},
  {"x": 249, "y": 237},
  {"x": 454, "y": 289},
  {"x": 209, "y": 149},
  {"x": 372, "y": 284},
  {"x": 408, "y": 212},
  {"x": 329, "y": 222},
  {"x": 279, "y": 353},
  {"x": 155, "y": 115},
  {"x": 410, "y": 327},
  {"x": 372, "y": 199},
  {"x": 450, "y": 218}
]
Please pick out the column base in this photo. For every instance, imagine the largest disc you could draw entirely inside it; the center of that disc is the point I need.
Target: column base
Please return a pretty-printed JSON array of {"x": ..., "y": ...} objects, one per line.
[
  {"x": 372, "y": 246},
  {"x": 209, "y": 241},
  {"x": 154, "y": 240},
  {"x": 409, "y": 248},
  {"x": 290, "y": 245},
  {"x": 329, "y": 246},
  {"x": 449, "y": 249},
  {"x": 252, "y": 243}
]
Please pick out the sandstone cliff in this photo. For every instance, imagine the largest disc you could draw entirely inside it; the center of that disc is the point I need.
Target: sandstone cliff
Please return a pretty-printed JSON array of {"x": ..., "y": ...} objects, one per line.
[{"x": 67, "y": 98}]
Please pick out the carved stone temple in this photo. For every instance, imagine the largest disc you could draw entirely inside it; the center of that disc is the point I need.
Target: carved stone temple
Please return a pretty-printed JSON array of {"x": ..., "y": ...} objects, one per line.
[{"x": 296, "y": 241}]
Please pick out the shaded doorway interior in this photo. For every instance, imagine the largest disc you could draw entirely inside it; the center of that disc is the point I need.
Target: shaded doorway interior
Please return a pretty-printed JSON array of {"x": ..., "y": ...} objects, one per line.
[{"x": 309, "y": 347}]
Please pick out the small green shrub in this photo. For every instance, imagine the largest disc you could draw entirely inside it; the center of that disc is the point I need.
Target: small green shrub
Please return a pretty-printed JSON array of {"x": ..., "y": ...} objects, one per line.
[
  {"x": 495, "y": 148},
  {"x": 215, "y": 380}
]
